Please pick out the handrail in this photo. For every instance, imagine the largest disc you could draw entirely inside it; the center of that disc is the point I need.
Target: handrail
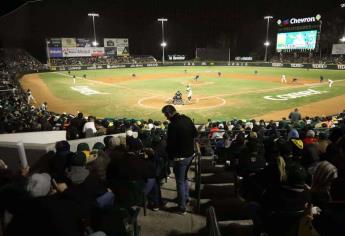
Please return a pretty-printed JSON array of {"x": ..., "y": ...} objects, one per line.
[
  {"x": 212, "y": 223},
  {"x": 197, "y": 176}
]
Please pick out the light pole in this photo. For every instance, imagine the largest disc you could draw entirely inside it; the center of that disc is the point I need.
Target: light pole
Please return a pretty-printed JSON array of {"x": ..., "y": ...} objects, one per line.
[
  {"x": 93, "y": 15},
  {"x": 163, "y": 44},
  {"x": 342, "y": 39},
  {"x": 267, "y": 43}
]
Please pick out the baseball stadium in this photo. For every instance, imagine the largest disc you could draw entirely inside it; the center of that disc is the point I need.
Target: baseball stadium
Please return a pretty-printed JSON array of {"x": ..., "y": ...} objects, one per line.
[{"x": 167, "y": 119}]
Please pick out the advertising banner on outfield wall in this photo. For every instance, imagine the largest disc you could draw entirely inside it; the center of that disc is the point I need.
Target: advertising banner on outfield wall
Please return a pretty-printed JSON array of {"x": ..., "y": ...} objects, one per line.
[
  {"x": 121, "y": 45},
  {"x": 115, "y": 42},
  {"x": 122, "y": 51},
  {"x": 177, "y": 57},
  {"x": 97, "y": 51},
  {"x": 82, "y": 43},
  {"x": 55, "y": 52},
  {"x": 54, "y": 43},
  {"x": 68, "y": 42},
  {"x": 110, "y": 51},
  {"x": 76, "y": 52},
  {"x": 338, "y": 49}
]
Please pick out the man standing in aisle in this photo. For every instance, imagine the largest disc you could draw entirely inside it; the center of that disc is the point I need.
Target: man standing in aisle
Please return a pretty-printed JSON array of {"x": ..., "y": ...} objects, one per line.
[{"x": 180, "y": 148}]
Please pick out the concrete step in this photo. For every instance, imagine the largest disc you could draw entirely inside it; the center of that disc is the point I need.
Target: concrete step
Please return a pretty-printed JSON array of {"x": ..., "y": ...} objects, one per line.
[
  {"x": 227, "y": 208},
  {"x": 217, "y": 191},
  {"x": 223, "y": 177},
  {"x": 236, "y": 227}
]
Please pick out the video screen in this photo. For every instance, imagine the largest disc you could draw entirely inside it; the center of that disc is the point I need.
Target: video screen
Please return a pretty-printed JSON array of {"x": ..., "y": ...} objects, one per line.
[{"x": 297, "y": 40}]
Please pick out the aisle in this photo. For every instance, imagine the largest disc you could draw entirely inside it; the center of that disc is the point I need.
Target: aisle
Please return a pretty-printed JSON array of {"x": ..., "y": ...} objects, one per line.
[{"x": 165, "y": 223}]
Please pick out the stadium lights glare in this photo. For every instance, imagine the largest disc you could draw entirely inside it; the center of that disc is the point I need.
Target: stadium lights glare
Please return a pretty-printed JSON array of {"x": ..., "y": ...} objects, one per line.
[
  {"x": 163, "y": 44},
  {"x": 93, "y": 15},
  {"x": 267, "y": 43},
  {"x": 342, "y": 39},
  {"x": 342, "y": 5}
]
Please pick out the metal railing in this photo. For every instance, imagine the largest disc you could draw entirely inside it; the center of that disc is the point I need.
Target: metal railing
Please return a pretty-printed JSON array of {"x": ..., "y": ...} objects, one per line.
[
  {"x": 197, "y": 176},
  {"x": 212, "y": 223}
]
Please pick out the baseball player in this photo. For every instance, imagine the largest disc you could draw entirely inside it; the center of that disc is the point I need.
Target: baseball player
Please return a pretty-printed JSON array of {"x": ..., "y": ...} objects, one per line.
[
  {"x": 30, "y": 97},
  {"x": 219, "y": 74},
  {"x": 330, "y": 82},
  {"x": 190, "y": 93},
  {"x": 321, "y": 78},
  {"x": 283, "y": 79},
  {"x": 196, "y": 78}
]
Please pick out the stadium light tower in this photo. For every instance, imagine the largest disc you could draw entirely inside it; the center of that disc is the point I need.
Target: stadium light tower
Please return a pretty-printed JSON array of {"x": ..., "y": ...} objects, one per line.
[
  {"x": 267, "y": 43},
  {"x": 163, "y": 44},
  {"x": 93, "y": 15},
  {"x": 342, "y": 39}
]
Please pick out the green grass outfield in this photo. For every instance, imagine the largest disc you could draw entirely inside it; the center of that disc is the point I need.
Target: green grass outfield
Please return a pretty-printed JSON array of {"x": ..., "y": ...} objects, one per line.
[{"x": 243, "y": 97}]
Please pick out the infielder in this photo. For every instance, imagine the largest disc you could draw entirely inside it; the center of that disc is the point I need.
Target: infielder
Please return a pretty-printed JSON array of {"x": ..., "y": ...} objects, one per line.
[
  {"x": 190, "y": 93},
  {"x": 196, "y": 78},
  {"x": 330, "y": 82},
  {"x": 283, "y": 79},
  {"x": 30, "y": 97}
]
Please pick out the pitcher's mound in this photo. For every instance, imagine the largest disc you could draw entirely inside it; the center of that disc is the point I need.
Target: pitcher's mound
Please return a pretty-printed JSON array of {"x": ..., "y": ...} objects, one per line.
[{"x": 196, "y": 103}]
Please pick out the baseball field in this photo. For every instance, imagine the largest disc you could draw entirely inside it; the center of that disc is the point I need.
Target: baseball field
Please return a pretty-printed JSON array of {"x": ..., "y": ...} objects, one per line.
[{"x": 238, "y": 93}]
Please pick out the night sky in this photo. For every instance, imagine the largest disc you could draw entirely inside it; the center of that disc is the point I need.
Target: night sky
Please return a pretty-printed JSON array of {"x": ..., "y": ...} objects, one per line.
[{"x": 237, "y": 24}]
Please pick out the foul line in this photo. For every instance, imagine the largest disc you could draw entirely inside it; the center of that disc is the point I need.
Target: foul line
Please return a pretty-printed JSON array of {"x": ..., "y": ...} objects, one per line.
[{"x": 108, "y": 84}]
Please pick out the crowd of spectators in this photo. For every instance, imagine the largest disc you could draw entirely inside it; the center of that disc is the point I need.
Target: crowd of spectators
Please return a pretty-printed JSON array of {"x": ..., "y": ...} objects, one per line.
[
  {"x": 292, "y": 171},
  {"x": 93, "y": 191},
  {"x": 80, "y": 61},
  {"x": 306, "y": 57}
]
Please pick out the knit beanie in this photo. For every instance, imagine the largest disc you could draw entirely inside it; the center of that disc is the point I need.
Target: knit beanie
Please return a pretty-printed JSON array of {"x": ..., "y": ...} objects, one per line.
[
  {"x": 83, "y": 147},
  {"x": 293, "y": 134},
  {"x": 39, "y": 184},
  {"x": 98, "y": 146},
  {"x": 78, "y": 159}
]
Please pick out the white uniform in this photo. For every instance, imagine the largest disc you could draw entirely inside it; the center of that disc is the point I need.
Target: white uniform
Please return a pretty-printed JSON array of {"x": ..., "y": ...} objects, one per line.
[
  {"x": 190, "y": 93},
  {"x": 330, "y": 82},
  {"x": 283, "y": 79},
  {"x": 30, "y": 97}
]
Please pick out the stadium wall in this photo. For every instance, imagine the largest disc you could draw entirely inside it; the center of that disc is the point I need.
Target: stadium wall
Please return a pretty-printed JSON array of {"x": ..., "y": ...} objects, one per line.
[
  {"x": 255, "y": 64},
  {"x": 37, "y": 147}
]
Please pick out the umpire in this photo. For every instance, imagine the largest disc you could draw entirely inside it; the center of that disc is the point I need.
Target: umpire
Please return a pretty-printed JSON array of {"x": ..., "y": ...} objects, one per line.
[{"x": 180, "y": 148}]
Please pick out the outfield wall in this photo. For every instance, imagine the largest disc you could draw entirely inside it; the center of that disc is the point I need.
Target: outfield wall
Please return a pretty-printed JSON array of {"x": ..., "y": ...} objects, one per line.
[{"x": 254, "y": 64}]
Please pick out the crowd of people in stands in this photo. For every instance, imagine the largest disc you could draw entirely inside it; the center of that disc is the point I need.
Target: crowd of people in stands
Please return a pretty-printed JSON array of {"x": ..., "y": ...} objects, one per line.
[
  {"x": 306, "y": 57},
  {"x": 290, "y": 171},
  {"x": 79, "y": 61},
  {"x": 90, "y": 190}
]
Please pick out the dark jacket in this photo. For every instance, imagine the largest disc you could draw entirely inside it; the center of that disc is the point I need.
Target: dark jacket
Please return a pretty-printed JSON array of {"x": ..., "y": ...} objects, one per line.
[{"x": 181, "y": 134}]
